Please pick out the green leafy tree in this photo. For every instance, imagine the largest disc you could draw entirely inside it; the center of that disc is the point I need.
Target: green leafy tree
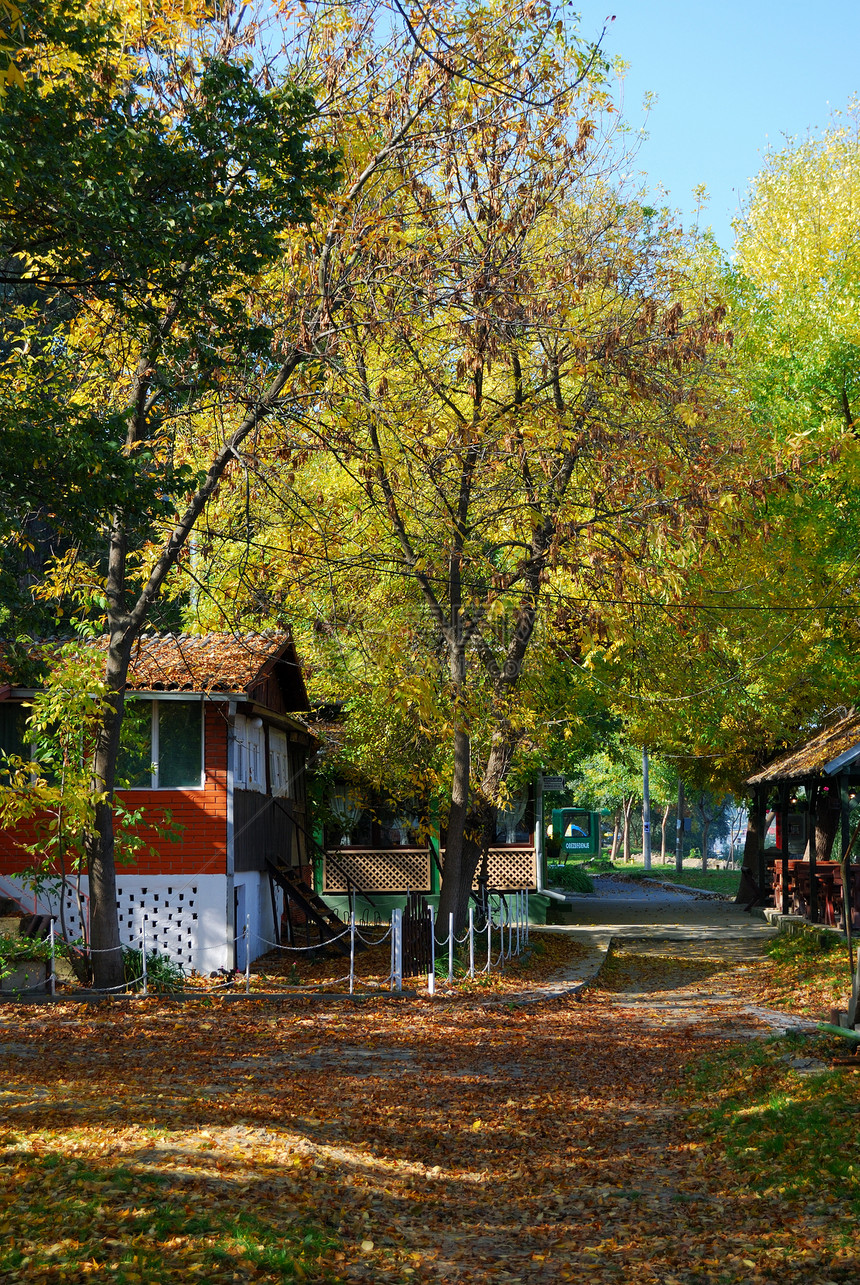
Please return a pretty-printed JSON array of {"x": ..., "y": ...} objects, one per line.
[
  {"x": 147, "y": 176},
  {"x": 47, "y": 794},
  {"x": 522, "y": 401}
]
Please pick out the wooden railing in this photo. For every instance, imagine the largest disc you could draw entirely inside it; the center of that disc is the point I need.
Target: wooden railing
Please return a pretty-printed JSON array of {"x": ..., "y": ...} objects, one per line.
[{"x": 376, "y": 870}]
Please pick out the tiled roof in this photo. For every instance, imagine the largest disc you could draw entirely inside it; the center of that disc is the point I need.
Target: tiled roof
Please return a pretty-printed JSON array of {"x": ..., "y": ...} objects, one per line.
[
  {"x": 203, "y": 662},
  {"x": 176, "y": 662},
  {"x": 809, "y": 759}
]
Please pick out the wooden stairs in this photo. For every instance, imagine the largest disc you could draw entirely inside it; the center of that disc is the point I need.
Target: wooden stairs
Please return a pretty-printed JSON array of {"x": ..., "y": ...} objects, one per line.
[
  {"x": 330, "y": 925},
  {"x": 15, "y": 922}
]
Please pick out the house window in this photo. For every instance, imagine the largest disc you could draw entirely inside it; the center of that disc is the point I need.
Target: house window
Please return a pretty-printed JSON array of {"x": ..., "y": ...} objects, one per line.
[
  {"x": 161, "y": 745},
  {"x": 279, "y": 763},
  {"x": 249, "y": 754},
  {"x": 13, "y": 728}
]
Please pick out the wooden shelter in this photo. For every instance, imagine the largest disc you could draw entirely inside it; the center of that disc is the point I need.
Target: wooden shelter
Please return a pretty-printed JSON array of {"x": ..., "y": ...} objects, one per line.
[{"x": 826, "y": 771}]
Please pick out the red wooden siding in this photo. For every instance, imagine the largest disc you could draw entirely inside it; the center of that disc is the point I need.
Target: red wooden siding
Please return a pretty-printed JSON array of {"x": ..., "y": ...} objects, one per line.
[{"x": 202, "y": 844}]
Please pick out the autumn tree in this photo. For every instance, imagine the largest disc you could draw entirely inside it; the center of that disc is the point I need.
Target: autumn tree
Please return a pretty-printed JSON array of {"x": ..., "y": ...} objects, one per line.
[
  {"x": 222, "y": 196},
  {"x": 149, "y": 176},
  {"x": 755, "y": 643},
  {"x": 522, "y": 400}
]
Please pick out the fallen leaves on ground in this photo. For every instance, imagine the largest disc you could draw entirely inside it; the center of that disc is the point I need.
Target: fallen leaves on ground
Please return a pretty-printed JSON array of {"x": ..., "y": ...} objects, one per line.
[
  {"x": 545, "y": 958},
  {"x": 474, "y": 1139}
]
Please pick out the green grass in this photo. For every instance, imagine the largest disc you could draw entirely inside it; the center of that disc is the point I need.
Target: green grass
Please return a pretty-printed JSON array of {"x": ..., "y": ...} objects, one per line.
[
  {"x": 68, "y": 1220},
  {"x": 786, "y": 1133},
  {"x": 811, "y": 971},
  {"x": 809, "y": 946},
  {"x": 725, "y": 881}
]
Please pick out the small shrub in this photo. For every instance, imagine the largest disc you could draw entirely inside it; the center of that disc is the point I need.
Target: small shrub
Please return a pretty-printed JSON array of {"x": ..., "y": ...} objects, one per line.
[
  {"x": 15, "y": 950},
  {"x": 162, "y": 974},
  {"x": 572, "y": 878},
  {"x": 553, "y": 848}
]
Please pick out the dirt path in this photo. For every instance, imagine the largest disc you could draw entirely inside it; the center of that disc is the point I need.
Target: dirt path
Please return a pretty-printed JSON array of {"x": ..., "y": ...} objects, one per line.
[{"x": 444, "y": 1142}]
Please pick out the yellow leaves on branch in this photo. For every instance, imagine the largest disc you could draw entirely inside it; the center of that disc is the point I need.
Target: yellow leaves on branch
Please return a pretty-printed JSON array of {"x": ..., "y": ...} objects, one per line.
[{"x": 11, "y": 35}]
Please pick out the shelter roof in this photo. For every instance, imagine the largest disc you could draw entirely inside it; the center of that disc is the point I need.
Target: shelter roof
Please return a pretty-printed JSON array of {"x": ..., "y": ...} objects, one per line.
[{"x": 825, "y": 753}]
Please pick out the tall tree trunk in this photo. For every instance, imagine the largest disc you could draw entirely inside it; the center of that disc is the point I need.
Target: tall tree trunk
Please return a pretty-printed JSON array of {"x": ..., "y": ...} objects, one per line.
[
  {"x": 628, "y": 804},
  {"x": 826, "y": 823},
  {"x": 616, "y": 835},
  {"x": 663, "y": 834},
  {"x": 706, "y": 826},
  {"x": 748, "y": 890},
  {"x": 459, "y": 856},
  {"x": 107, "y": 965}
]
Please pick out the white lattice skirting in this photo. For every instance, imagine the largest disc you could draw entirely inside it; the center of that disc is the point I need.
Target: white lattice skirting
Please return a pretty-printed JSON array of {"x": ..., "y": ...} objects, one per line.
[
  {"x": 508, "y": 868},
  {"x": 189, "y": 918}
]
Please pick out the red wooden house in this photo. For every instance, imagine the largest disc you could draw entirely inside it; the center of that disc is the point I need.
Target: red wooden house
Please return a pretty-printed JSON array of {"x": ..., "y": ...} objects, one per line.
[{"x": 211, "y": 736}]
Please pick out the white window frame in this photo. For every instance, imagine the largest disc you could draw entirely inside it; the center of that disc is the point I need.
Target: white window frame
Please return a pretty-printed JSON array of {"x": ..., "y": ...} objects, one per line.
[
  {"x": 256, "y": 757},
  {"x": 279, "y": 763},
  {"x": 240, "y": 752},
  {"x": 249, "y": 755},
  {"x": 155, "y": 746}
]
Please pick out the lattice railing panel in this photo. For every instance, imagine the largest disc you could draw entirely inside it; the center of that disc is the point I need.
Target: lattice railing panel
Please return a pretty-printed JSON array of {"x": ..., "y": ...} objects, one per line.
[
  {"x": 508, "y": 867},
  {"x": 377, "y": 870},
  {"x": 511, "y": 868}
]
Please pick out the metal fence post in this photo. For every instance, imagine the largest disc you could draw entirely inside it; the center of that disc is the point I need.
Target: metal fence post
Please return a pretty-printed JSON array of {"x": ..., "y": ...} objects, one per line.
[
  {"x": 431, "y": 976},
  {"x": 143, "y": 956},
  {"x": 53, "y": 982},
  {"x": 526, "y": 917},
  {"x": 391, "y": 969},
  {"x": 451, "y": 948},
  {"x": 352, "y": 950},
  {"x": 490, "y": 937},
  {"x": 471, "y": 941},
  {"x": 397, "y": 934},
  {"x": 247, "y": 954}
]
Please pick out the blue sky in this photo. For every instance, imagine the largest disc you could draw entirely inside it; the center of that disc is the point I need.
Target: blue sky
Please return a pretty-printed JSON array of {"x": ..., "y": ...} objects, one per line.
[{"x": 731, "y": 79}]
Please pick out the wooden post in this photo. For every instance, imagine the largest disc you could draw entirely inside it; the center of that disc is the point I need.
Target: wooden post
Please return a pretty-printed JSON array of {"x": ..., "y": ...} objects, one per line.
[
  {"x": 847, "y": 908},
  {"x": 397, "y": 944},
  {"x": 855, "y": 994},
  {"x": 646, "y": 812},
  {"x": 760, "y": 805},
  {"x": 275, "y": 919},
  {"x": 352, "y": 951},
  {"x": 812, "y": 846},
  {"x": 783, "y": 845},
  {"x": 431, "y": 972},
  {"x": 53, "y": 960}
]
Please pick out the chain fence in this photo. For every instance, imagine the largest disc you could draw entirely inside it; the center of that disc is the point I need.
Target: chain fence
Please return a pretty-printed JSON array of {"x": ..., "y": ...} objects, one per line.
[{"x": 503, "y": 934}]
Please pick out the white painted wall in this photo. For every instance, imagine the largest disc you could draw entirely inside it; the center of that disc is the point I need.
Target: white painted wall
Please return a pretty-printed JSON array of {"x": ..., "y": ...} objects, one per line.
[
  {"x": 258, "y": 908},
  {"x": 186, "y": 916}
]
